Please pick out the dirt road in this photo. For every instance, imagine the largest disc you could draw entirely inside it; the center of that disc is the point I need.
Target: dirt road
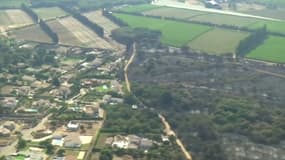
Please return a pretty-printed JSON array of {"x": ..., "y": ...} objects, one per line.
[
  {"x": 127, "y": 67},
  {"x": 168, "y": 129},
  {"x": 170, "y": 132}
]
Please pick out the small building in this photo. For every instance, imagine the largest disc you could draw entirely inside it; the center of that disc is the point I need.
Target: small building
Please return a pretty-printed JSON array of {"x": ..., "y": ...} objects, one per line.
[
  {"x": 72, "y": 141},
  {"x": 71, "y": 126},
  {"x": 120, "y": 142},
  {"x": 4, "y": 132},
  {"x": 9, "y": 125}
]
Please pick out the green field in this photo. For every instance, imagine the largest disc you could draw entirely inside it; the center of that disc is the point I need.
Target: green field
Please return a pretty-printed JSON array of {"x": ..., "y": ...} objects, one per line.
[
  {"x": 218, "y": 41},
  {"x": 271, "y": 26},
  {"x": 12, "y": 3},
  {"x": 139, "y": 8},
  {"x": 173, "y": 33},
  {"x": 173, "y": 12},
  {"x": 222, "y": 19},
  {"x": 49, "y": 13},
  {"x": 272, "y": 50}
]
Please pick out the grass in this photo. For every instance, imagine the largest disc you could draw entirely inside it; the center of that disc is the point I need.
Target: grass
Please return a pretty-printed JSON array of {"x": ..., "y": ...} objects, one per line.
[
  {"x": 218, "y": 41},
  {"x": 100, "y": 143},
  {"x": 272, "y": 26},
  {"x": 175, "y": 12},
  {"x": 12, "y": 3},
  {"x": 272, "y": 50},
  {"x": 139, "y": 8},
  {"x": 221, "y": 19},
  {"x": 173, "y": 33},
  {"x": 49, "y": 13}
]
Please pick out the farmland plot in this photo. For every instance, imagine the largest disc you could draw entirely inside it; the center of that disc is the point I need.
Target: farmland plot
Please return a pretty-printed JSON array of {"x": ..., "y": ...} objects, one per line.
[
  {"x": 221, "y": 19},
  {"x": 49, "y": 13},
  {"x": 173, "y": 13},
  {"x": 31, "y": 33},
  {"x": 272, "y": 50},
  {"x": 98, "y": 18},
  {"x": 218, "y": 41},
  {"x": 72, "y": 32},
  {"x": 13, "y": 18}
]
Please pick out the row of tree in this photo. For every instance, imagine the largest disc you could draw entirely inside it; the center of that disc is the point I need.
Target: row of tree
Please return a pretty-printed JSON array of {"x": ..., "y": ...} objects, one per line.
[
  {"x": 49, "y": 31},
  {"x": 252, "y": 41},
  {"x": 42, "y": 23},
  {"x": 30, "y": 12},
  {"x": 93, "y": 26},
  {"x": 113, "y": 18}
]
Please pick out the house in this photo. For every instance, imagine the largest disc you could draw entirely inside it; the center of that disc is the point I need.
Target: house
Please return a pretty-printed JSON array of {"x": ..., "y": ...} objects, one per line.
[
  {"x": 72, "y": 141},
  {"x": 57, "y": 141},
  {"x": 9, "y": 103},
  {"x": 120, "y": 142},
  {"x": 4, "y": 132},
  {"x": 145, "y": 143},
  {"x": 9, "y": 125},
  {"x": 71, "y": 126}
]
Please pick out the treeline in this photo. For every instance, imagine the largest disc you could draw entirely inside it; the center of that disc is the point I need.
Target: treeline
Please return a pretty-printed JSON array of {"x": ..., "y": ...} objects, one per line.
[
  {"x": 252, "y": 41},
  {"x": 30, "y": 12},
  {"x": 93, "y": 26},
  {"x": 49, "y": 31},
  {"x": 113, "y": 18}
]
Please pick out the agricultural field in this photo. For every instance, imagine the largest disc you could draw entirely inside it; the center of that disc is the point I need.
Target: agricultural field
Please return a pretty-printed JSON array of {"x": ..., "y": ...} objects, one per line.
[
  {"x": 272, "y": 50},
  {"x": 173, "y": 12},
  {"x": 72, "y": 32},
  {"x": 64, "y": 35},
  {"x": 49, "y": 13},
  {"x": 12, "y": 3},
  {"x": 31, "y": 33},
  {"x": 221, "y": 19},
  {"x": 218, "y": 41},
  {"x": 139, "y": 8},
  {"x": 98, "y": 18},
  {"x": 272, "y": 26},
  {"x": 173, "y": 33},
  {"x": 13, "y": 18}
]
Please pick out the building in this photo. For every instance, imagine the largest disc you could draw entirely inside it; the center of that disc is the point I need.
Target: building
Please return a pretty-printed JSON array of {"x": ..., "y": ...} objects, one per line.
[
  {"x": 71, "y": 126},
  {"x": 4, "y": 132},
  {"x": 72, "y": 141},
  {"x": 120, "y": 142}
]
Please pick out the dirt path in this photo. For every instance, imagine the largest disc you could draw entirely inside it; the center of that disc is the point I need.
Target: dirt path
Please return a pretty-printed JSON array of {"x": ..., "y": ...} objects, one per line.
[
  {"x": 127, "y": 67},
  {"x": 170, "y": 132},
  {"x": 168, "y": 129}
]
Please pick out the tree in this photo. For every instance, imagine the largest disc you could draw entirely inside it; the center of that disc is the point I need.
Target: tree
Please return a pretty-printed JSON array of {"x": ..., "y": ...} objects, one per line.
[
  {"x": 60, "y": 153},
  {"x": 21, "y": 144},
  {"x": 55, "y": 81},
  {"x": 106, "y": 155}
]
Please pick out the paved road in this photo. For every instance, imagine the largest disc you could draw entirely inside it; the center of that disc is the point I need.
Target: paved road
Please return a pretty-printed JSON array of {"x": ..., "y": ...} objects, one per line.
[{"x": 175, "y": 4}]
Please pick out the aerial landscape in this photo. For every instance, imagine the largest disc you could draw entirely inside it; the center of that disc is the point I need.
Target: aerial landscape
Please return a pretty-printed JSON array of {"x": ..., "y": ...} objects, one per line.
[{"x": 142, "y": 80}]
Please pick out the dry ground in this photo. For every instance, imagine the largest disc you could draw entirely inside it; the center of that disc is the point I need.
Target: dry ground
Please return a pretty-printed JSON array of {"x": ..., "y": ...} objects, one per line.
[
  {"x": 72, "y": 32},
  {"x": 31, "y": 33},
  {"x": 13, "y": 18},
  {"x": 98, "y": 18}
]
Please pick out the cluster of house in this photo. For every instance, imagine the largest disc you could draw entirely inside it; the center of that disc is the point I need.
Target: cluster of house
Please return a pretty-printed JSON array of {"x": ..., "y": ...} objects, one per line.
[
  {"x": 130, "y": 142},
  {"x": 7, "y": 128}
]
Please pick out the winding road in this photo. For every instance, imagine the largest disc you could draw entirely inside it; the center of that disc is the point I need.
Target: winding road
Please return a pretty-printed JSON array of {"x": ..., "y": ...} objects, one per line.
[{"x": 168, "y": 130}]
